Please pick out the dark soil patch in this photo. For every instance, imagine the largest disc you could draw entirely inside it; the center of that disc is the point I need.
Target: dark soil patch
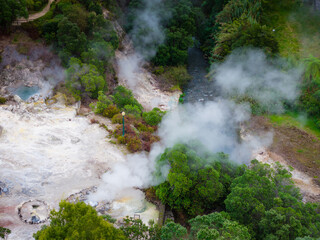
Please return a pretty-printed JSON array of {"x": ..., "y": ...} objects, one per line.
[{"x": 300, "y": 149}]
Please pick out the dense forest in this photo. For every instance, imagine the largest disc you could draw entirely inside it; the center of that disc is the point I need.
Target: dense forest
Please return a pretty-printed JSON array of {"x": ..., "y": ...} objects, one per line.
[{"x": 210, "y": 196}]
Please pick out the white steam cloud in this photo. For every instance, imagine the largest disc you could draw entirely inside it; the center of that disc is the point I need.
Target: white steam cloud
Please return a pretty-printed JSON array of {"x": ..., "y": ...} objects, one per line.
[
  {"x": 250, "y": 73},
  {"x": 147, "y": 34},
  {"x": 215, "y": 124}
]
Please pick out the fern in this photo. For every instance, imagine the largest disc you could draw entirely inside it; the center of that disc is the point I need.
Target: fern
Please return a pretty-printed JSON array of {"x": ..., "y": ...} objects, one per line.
[{"x": 312, "y": 68}]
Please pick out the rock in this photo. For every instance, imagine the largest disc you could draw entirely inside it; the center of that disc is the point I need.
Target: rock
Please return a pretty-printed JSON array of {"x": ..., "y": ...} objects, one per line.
[
  {"x": 17, "y": 99},
  {"x": 54, "y": 140},
  {"x": 1, "y": 130}
]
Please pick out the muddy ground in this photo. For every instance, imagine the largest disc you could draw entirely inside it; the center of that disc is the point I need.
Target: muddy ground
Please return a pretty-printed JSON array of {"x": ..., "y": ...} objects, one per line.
[{"x": 299, "y": 149}]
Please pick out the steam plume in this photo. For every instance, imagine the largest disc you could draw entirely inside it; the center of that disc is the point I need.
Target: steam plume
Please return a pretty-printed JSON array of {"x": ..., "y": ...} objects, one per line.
[
  {"x": 250, "y": 73},
  {"x": 147, "y": 34},
  {"x": 215, "y": 124}
]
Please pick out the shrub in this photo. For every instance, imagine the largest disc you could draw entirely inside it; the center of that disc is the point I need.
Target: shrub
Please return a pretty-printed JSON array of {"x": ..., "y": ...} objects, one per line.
[
  {"x": 3, "y": 100},
  {"x": 110, "y": 111},
  {"x": 177, "y": 75},
  {"x": 84, "y": 79},
  {"x": 158, "y": 70},
  {"x": 117, "y": 118},
  {"x": 153, "y": 117},
  {"x": 143, "y": 128},
  {"x": 123, "y": 96},
  {"x": 78, "y": 221},
  {"x": 132, "y": 109},
  {"x": 103, "y": 103},
  {"x": 134, "y": 145},
  {"x": 121, "y": 140}
]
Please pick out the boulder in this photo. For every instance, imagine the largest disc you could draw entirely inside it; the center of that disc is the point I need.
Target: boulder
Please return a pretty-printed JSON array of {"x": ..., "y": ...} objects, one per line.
[{"x": 17, "y": 99}]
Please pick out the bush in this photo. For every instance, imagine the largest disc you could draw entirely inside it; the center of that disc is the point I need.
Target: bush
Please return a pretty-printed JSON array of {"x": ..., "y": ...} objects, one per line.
[
  {"x": 158, "y": 70},
  {"x": 84, "y": 80},
  {"x": 117, "y": 118},
  {"x": 3, "y": 100},
  {"x": 110, "y": 111},
  {"x": 153, "y": 117},
  {"x": 121, "y": 140},
  {"x": 132, "y": 109},
  {"x": 123, "y": 96},
  {"x": 77, "y": 221},
  {"x": 134, "y": 145},
  {"x": 103, "y": 103},
  {"x": 143, "y": 128}
]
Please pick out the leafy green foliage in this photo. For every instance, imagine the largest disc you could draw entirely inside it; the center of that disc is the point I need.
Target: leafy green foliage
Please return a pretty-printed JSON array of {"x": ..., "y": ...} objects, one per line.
[
  {"x": 10, "y": 10},
  {"x": 173, "y": 231},
  {"x": 78, "y": 29},
  {"x": 77, "y": 221},
  {"x": 110, "y": 111},
  {"x": 267, "y": 202},
  {"x": 103, "y": 103},
  {"x": 241, "y": 33},
  {"x": 153, "y": 117},
  {"x": 36, "y": 5},
  {"x": 84, "y": 80},
  {"x": 3, "y": 100},
  {"x": 123, "y": 96},
  {"x": 217, "y": 226},
  {"x": 194, "y": 184},
  {"x": 132, "y": 109},
  {"x": 4, "y": 232},
  {"x": 174, "y": 76},
  {"x": 261, "y": 201},
  {"x": 179, "y": 30},
  {"x": 138, "y": 135},
  {"x": 99, "y": 55},
  {"x": 175, "y": 50},
  {"x": 70, "y": 38},
  {"x": 233, "y": 24},
  {"x": 310, "y": 97},
  {"x": 135, "y": 229}
]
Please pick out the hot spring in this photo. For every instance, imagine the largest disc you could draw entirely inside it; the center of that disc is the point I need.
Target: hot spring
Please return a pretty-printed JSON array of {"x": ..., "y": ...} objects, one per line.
[{"x": 25, "y": 92}]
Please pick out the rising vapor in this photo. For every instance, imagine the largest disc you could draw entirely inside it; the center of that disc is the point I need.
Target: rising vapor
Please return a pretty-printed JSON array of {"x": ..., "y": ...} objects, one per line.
[{"x": 215, "y": 124}]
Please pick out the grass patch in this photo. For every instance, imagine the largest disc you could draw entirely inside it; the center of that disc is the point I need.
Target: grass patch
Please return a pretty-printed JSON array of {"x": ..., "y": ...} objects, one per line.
[{"x": 297, "y": 120}]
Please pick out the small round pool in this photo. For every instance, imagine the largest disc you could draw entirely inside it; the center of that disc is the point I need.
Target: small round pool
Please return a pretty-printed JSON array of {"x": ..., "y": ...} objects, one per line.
[{"x": 25, "y": 92}]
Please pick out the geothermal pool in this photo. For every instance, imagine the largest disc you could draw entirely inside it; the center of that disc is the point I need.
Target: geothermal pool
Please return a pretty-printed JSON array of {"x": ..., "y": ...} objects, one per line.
[
  {"x": 25, "y": 92},
  {"x": 48, "y": 153}
]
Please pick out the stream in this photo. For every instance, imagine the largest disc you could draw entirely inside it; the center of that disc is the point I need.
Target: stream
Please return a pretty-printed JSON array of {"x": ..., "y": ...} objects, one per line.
[{"x": 199, "y": 89}]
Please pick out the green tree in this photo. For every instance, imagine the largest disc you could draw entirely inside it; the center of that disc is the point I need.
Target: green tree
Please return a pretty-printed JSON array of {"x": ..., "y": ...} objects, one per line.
[
  {"x": 265, "y": 199},
  {"x": 173, "y": 231},
  {"x": 102, "y": 104},
  {"x": 84, "y": 80},
  {"x": 70, "y": 38},
  {"x": 175, "y": 50},
  {"x": 282, "y": 223},
  {"x": 217, "y": 226},
  {"x": 77, "y": 222},
  {"x": 153, "y": 117},
  {"x": 192, "y": 185},
  {"x": 99, "y": 54},
  {"x": 123, "y": 96},
  {"x": 132, "y": 109},
  {"x": 135, "y": 229},
  {"x": 10, "y": 10}
]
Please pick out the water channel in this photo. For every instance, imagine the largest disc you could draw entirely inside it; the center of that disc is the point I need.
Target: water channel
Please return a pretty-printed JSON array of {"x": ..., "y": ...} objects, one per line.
[{"x": 200, "y": 88}]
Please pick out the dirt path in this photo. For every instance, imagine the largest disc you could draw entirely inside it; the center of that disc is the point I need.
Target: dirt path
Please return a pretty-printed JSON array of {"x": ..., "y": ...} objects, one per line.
[{"x": 34, "y": 16}]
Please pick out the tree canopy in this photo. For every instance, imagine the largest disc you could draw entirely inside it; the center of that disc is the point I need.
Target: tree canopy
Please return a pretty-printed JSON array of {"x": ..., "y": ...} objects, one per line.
[
  {"x": 10, "y": 10},
  {"x": 79, "y": 222}
]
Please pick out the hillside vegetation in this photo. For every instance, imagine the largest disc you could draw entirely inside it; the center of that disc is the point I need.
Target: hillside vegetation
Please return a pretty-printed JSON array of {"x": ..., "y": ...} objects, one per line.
[{"x": 210, "y": 196}]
